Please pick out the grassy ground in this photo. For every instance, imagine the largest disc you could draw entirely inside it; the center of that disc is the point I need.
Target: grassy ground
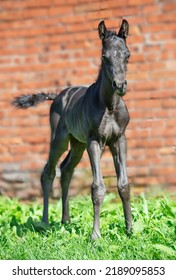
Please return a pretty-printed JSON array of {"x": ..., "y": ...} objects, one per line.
[{"x": 22, "y": 236}]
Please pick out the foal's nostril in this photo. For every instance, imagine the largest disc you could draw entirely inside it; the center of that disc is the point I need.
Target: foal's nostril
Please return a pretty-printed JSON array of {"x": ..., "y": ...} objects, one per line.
[{"x": 114, "y": 85}]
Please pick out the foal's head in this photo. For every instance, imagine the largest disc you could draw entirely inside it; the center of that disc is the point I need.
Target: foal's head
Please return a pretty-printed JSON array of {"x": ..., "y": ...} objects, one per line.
[{"x": 115, "y": 55}]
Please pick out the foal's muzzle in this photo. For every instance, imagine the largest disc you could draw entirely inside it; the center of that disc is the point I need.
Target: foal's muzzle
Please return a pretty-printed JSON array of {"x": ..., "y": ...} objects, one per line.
[{"x": 120, "y": 88}]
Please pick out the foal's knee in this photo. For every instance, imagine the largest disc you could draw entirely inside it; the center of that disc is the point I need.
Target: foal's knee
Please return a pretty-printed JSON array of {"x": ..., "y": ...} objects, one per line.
[
  {"x": 47, "y": 175},
  {"x": 98, "y": 193},
  {"x": 124, "y": 192}
]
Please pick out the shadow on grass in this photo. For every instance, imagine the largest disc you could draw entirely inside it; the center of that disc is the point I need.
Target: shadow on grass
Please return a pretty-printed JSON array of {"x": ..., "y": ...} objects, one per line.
[{"x": 30, "y": 225}]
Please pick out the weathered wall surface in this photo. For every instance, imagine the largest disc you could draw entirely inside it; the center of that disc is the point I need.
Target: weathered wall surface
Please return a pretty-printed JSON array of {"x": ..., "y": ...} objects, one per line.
[{"x": 49, "y": 44}]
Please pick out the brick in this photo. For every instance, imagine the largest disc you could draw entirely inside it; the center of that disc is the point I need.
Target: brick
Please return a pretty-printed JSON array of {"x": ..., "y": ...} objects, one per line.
[
  {"x": 161, "y": 94},
  {"x": 150, "y": 180},
  {"x": 137, "y": 76},
  {"x": 150, "y": 9},
  {"x": 152, "y": 28},
  {"x": 3, "y": 150},
  {"x": 160, "y": 113},
  {"x": 171, "y": 179},
  {"x": 172, "y": 112},
  {"x": 161, "y": 37},
  {"x": 56, "y": 11},
  {"x": 140, "y": 2},
  {"x": 170, "y": 141},
  {"x": 148, "y": 104},
  {"x": 169, "y": 7},
  {"x": 141, "y": 143},
  {"x": 162, "y": 18},
  {"x": 10, "y": 140},
  {"x": 168, "y": 103},
  {"x": 164, "y": 132},
  {"x": 145, "y": 86},
  {"x": 22, "y": 149},
  {"x": 169, "y": 74},
  {"x": 24, "y": 4},
  {"x": 137, "y": 58}
]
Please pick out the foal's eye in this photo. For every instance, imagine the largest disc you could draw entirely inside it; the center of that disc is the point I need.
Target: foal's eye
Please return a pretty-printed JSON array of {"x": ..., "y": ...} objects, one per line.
[
  {"x": 104, "y": 57},
  {"x": 127, "y": 58}
]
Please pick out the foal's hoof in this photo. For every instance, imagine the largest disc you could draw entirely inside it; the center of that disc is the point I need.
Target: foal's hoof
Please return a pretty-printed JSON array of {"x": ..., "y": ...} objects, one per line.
[
  {"x": 95, "y": 235},
  {"x": 46, "y": 222},
  {"x": 66, "y": 221},
  {"x": 129, "y": 232}
]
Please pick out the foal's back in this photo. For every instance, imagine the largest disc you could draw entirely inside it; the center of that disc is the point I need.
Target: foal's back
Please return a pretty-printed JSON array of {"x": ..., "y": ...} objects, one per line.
[{"x": 67, "y": 96}]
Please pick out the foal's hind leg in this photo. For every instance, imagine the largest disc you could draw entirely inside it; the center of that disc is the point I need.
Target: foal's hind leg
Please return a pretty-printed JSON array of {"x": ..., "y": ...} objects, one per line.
[
  {"x": 118, "y": 151},
  {"x": 58, "y": 145},
  {"x": 48, "y": 174},
  {"x": 67, "y": 168}
]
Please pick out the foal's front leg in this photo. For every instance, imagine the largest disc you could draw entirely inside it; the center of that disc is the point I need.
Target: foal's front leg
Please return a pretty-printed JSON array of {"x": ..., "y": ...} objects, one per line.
[
  {"x": 118, "y": 151},
  {"x": 98, "y": 187}
]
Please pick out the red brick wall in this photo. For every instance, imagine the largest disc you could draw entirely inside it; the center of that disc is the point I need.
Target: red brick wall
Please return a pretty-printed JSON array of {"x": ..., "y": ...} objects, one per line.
[{"x": 49, "y": 44}]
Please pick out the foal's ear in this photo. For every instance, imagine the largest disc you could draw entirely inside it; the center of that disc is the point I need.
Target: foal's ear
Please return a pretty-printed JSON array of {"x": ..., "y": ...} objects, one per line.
[
  {"x": 102, "y": 30},
  {"x": 124, "y": 29}
]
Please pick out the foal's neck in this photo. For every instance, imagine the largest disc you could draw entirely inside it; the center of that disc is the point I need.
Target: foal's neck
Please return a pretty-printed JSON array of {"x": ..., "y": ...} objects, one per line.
[{"x": 107, "y": 94}]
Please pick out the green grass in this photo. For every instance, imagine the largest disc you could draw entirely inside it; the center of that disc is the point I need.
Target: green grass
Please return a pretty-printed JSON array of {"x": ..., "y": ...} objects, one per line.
[{"x": 23, "y": 236}]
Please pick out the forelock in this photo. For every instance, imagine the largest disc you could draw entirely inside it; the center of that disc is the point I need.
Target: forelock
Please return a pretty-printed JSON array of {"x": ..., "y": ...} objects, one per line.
[{"x": 110, "y": 33}]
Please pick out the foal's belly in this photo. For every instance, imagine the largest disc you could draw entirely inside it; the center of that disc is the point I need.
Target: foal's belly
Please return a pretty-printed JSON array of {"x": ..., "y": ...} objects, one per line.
[
  {"x": 78, "y": 131},
  {"x": 77, "y": 125}
]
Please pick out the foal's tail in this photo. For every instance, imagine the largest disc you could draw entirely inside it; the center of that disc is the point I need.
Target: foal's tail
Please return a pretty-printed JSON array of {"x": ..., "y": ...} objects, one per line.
[{"x": 29, "y": 100}]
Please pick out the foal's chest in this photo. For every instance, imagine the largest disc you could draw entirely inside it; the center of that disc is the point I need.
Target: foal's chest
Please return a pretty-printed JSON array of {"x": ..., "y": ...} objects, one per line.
[{"x": 110, "y": 129}]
